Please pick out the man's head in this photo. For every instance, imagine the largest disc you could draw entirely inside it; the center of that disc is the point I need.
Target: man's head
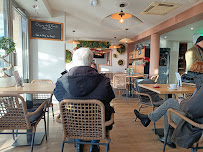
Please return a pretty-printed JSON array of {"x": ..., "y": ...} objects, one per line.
[
  {"x": 200, "y": 41},
  {"x": 82, "y": 57}
]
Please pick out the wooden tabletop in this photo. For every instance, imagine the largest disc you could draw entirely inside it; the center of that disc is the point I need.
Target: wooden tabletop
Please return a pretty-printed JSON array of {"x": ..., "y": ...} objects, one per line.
[
  {"x": 135, "y": 76},
  {"x": 31, "y": 88},
  {"x": 164, "y": 89}
]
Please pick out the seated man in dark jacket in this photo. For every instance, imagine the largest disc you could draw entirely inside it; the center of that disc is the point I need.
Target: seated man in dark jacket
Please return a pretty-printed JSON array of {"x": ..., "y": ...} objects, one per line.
[{"x": 84, "y": 82}]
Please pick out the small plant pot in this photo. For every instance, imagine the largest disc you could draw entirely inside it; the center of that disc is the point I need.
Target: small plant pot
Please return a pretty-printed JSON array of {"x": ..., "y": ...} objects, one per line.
[{"x": 7, "y": 82}]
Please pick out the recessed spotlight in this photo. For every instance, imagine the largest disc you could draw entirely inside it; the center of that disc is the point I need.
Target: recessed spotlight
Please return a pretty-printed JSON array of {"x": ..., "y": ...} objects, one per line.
[
  {"x": 165, "y": 37},
  {"x": 191, "y": 28}
]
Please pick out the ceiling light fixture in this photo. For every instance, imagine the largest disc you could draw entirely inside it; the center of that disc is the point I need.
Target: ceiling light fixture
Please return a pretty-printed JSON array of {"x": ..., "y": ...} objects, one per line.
[
  {"x": 93, "y": 3},
  {"x": 191, "y": 28},
  {"x": 74, "y": 41},
  {"x": 120, "y": 21},
  {"x": 114, "y": 46},
  {"x": 126, "y": 40}
]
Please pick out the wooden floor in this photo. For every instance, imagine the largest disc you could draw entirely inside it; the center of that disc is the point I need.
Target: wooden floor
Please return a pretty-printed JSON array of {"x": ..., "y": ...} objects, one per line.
[{"x": 127, "y": 135}]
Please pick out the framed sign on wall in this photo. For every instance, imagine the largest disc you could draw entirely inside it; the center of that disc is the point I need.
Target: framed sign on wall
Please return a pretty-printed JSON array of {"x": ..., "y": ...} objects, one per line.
[{"x": 46, "y": 30}]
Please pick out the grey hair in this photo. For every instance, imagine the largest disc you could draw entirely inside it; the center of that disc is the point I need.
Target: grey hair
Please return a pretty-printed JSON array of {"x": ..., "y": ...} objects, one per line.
[{"x": 82, "y": 57}]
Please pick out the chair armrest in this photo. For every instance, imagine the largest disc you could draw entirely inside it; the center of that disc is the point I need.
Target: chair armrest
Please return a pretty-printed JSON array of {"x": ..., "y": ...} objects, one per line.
[
  {"x": 110, "y": 122},
  {"x": 42, "y": 106},
  {"x": 182, "y": 117},
  {"x": 144, "y": 94},
  {"x": 58, "y": 118}
]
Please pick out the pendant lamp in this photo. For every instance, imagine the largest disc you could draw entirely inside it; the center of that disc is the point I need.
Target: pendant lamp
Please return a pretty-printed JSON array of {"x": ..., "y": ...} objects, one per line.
[
  {"x": 114, "y": 46},
  {"x": 120, "y": 21},
  {"x": 126, "y": 40},
  {"x": 74, "y": 41}
]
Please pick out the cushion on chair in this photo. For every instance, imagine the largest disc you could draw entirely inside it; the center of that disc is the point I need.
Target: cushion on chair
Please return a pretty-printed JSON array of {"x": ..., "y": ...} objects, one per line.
[
  {"x": 33, "y": 119},
  {"x": 155, "y": 97}
]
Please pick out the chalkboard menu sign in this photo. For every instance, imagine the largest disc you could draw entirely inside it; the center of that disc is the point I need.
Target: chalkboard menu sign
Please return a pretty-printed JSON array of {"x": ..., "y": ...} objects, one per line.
[{"x": 46, "y": 30}]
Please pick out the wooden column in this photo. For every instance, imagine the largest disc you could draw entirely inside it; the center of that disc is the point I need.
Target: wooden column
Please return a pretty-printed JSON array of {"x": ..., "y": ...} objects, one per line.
[{"x": 154, "y": 54}]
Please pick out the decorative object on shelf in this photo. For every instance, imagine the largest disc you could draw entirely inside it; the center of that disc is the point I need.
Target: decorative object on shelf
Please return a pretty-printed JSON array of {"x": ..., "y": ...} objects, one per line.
[
  {"x": 121, "y": 62},
  {"x": 74, "y": 41},
  {"x": 115, "y": 55},
  {"x": 126, "y": 40},
  {"x": 8, "y": 45},
  {"x": 94, "y": 44},
  {"x": 120, "y": 21},
  {"x": 121, "y": 50},
  {"x": 69, "y": 55},
  {"x": 114, "y": 46}
]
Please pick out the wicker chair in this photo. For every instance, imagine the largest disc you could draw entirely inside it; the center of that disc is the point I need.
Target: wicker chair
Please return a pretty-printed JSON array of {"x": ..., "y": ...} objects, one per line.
[
  {"x": 14, "y": 115},
  {"x": 172, "y": 124},
  {"x": 120, "y": 83},
  {"x": 84, "y": 120},
  {"x": 39, "y": 98},
  {"x": 146, "y": 96}
]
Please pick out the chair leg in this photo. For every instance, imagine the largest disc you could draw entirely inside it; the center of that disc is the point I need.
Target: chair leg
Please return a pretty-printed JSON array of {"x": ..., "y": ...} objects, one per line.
[
  {"x": 165, "y": 141},
  {"x": 154, "y": 125},
  {"x": 107, "y": 147},
  {"x": 45, "y": 127},
  {"x": 13, "y": 134},
  {"x": 33, "y": 140},
  {"x": 48, "y": 120},
  {"x": 126, "y": 96},
  {"x": 52, "y": 110},
  {"x": 62, "y": 146},
  {"x": 138, "y": 111}
]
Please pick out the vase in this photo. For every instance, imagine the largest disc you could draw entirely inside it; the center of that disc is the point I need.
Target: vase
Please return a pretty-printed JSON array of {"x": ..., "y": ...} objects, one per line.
[{"x": 7, "y": 82}]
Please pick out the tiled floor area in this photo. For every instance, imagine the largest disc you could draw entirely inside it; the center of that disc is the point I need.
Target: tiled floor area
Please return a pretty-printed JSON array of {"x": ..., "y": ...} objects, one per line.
[{"x": 127, "y": 135}]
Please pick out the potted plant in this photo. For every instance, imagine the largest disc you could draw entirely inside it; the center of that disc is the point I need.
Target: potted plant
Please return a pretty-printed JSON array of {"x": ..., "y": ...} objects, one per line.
[{"x": 8, "y": 45}]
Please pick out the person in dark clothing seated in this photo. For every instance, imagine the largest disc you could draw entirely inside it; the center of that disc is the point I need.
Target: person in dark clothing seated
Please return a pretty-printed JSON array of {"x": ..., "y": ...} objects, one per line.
[{"x": 84, "y": 82}]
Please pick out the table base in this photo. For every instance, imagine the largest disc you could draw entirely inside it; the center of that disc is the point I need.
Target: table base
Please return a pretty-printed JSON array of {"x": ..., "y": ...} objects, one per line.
[{"x": 22, "y": 139}]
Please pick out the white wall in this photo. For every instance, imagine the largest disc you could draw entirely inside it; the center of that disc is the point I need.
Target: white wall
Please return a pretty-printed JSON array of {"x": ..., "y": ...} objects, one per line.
[
  {"x": 115, "y": 67},
  {"x": 47, "y": 57}
]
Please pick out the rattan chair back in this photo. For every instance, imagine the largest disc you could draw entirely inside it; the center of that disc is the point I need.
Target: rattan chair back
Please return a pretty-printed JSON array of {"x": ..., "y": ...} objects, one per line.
[
  {"x": 119, "y": 81},
  {"x": 83, "y": 119},
  {"x": 13, "y": 113},
  {"x": 42, "y": 96}
]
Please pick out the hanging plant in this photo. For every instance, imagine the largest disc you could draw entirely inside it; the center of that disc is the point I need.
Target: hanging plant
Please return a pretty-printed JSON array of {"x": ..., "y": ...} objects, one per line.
[
  {"x": 121, "y": 50},
  {"x": 93, "y": 44},
  {"x": 68, "y": 56}
]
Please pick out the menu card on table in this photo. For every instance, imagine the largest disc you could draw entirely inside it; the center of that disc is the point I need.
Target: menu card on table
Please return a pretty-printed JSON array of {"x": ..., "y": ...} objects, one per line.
[{"x": 19, "y": 82}]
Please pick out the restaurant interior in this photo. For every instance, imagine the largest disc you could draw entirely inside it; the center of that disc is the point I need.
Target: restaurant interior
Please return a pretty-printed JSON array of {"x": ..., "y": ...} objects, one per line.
[{"x": 131, "y": 40}]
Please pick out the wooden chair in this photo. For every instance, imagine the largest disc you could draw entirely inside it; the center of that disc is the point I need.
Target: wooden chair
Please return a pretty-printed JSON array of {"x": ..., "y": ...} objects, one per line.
[
  {"x": 14, "y": 115},
  {"x": 84, "y": 120},
  {"x": 120, "y": 83},
  {"x": 172, "y": 124},
  {"x": 154, "y": 78},
  {"x": 146, "y": 96}
]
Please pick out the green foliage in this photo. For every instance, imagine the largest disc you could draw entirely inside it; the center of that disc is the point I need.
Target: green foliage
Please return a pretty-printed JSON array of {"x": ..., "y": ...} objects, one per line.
[
  {"x": 68, "y": 56},
  {"x": 93, "y": 44},
  {"x": 7, "y": 44},
  {"x": 121, "y": 50}
]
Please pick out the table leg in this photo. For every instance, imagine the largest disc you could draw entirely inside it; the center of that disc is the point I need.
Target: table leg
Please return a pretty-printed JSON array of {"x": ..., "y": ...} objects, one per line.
[
  {"x": 167, "y": 96},
  {"x": 25, "y": 139},
  {"x": 130, "y": 87}
]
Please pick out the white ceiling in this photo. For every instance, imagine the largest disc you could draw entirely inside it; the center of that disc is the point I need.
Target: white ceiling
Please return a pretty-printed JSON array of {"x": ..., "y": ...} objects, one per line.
[{"x": 85, "y": 19}]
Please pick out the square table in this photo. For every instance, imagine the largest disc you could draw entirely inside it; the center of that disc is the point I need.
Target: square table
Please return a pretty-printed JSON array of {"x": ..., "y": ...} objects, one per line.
[
  {"x": 29, "y": 88},
  {"x": 165, "y": 89}
]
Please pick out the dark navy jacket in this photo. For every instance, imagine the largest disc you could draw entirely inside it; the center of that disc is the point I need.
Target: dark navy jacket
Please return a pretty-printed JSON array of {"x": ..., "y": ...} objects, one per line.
[{"x": 84, "y": 82}]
